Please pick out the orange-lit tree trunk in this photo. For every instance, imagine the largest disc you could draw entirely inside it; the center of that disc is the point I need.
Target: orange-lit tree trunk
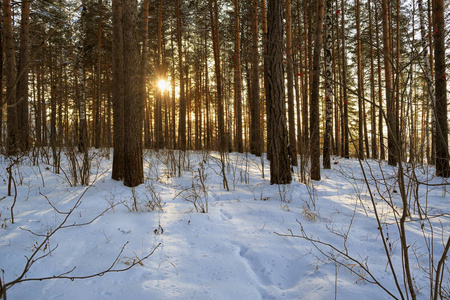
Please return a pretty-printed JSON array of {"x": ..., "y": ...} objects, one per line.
[
  {"x": 265, "y": 61},
  {"x": 182, "y": 117},
  {"x": 213, "y": 11},
  {"x": 159, "y": 93},
  {"x": 380, "y": 96},
  {"x": 360, "y": 83},
  {"x": 144, "y": 64},
  {"x": 238, "y": 79},
  {"x": 255, "y": 124}
]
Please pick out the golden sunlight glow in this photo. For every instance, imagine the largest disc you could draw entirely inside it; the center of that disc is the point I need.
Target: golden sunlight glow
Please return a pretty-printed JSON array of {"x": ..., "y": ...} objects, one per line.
[{"x": 162, "y": 85}]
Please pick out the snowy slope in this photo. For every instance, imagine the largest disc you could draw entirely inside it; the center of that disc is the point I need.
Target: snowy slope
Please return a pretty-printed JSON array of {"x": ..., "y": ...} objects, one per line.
[{"x": 238, "y": 250}]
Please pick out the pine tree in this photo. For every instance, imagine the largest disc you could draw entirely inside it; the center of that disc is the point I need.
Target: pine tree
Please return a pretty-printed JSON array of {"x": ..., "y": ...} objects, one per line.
[
  {"x": 441, "y": 134},
  {"x": 22, "y": 84},
  {"x": 280, "y": 171},
  {"x": 329, "y": 85},
  {"x": 10, "y": 67},
  {"x": 133, "y": 106},
  {"x": 117, "y": 92},
  {"x": 314, "y": 112}
]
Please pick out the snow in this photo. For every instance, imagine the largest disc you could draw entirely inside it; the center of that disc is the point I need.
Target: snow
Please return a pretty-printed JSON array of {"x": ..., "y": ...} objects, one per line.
[{"x": 239, "y": 249}]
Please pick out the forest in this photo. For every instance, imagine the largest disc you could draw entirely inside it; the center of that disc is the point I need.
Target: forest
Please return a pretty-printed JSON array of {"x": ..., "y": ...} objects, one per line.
[{"x": 171, "y": 107}]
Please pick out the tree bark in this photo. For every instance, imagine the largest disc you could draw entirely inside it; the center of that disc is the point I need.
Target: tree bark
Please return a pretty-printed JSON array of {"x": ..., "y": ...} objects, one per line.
[
  {"x": 10, "y": 67},
  {"x": 290, "y": 86},
  {"x": 117, "y": 91},
  {"x": 280, "y": 171},
  {"x": 133, "y": 106},
  {"x": 441, "y": 134},
  {"x": 390, "y": 105},
  {"x": 329, "y": 85},
  {"x": 182, "y": 117},
  {"x": 159, "y": 139},
  {"x": 373, "y": 125},
  {"x": 255, "y": 124},
  {"x": 346, "y": 152},
  {"x": 22, "y": 84},
  {"x": 213, "y": 10},
  {"x": 380, "y": 95},
  {"x": 360, "y": 84},
  {"x": 314, "y": 113},
  {"x": 98, "y": 98},
  {"x": 238, "y": 79}
]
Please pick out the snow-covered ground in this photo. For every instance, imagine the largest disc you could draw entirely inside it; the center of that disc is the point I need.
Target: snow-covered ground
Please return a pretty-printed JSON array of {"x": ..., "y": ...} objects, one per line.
[{"x": 239, "y": 249}]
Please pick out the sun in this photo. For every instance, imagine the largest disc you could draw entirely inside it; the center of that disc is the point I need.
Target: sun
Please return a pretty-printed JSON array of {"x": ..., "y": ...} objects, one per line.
[{"x": 162, "y": 84}]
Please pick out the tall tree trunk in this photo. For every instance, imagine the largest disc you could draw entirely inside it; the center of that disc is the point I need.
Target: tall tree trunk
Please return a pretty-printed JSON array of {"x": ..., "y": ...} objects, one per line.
[
  {"x": 290, "y": 86},
  {"x": 10, "y": 67},
  {"x": 329, "y": 85},
  {"x": 144, "y": 64},
  {"x": 255, "y": 124},
  {"x": 441, "y": 134},
  {"x": 98, "y": 101},
  {"x": 214, "y": 11},
  {"x": 83, "y": 142},
  {"x": 266, "y": 64},
  {"x": 380, "y": 95},
  {"x": 22, "y": 84},
  {"x": 159, "y": 92},
  {"x": 373, "y": 125},
  {"x": 238, "y": 79},
  {"x": 346, "y": 152},
  {"x": 360, "y": 83},
  {"x": 1, "y": 82},
  {"x": 182, "y": 117},
  {"x": 280, "y": 169},
  {"x": 431, "y": 100},
  {"x": 133, "y": 106},
  {"x": 118, "y": 168},
  {"x": 306, "y": 72},
  {"x": 314, "y": 114},
  {"x": 390, "y": 105}
]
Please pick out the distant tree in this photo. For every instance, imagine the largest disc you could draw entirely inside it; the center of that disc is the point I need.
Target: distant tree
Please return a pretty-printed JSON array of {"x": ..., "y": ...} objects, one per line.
[{"x": 280, "y": 167}]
